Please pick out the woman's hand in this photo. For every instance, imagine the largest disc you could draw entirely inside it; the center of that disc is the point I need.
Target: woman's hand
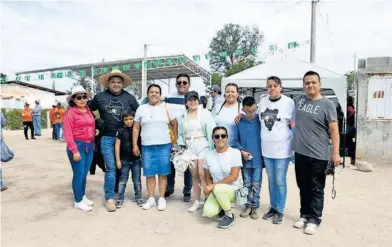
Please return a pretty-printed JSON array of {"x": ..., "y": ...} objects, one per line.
[
  {"x": 238, "y": 118},
  {"x": 210, "y": 188},
  {"x": 76, "y": 157},
  {"x": 136, "y": 151}
]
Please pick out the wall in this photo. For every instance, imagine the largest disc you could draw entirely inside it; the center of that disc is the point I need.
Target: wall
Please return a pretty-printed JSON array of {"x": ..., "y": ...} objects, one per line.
[
  {"x": 374, "y": 134},
  {"x": 22, "y": 94}
]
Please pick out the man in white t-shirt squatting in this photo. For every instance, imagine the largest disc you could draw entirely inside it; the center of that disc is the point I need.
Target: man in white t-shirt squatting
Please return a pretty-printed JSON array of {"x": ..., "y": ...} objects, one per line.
[{"x": 177, "y": 105}]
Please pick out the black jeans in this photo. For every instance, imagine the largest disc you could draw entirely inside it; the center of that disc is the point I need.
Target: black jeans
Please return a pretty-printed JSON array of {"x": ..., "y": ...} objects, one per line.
[
  {"x": 171, "y": 180},
  {"x": 26, "y": 126},
  {"x": 310, "y": 176}
]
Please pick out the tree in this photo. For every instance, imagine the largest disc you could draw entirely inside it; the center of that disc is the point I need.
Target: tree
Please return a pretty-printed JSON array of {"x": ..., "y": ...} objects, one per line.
[
  {"x": 351, "y": 77},
  {"x": 82, "y": 81},
  {"x": 240, "y": 66},
  {"x": 216, "y": 79},
  {"x": 234, "y": 44}
]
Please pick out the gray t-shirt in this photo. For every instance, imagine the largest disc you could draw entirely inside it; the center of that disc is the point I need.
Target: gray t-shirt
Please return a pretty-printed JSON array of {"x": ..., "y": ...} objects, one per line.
[{"x": 312, "y": 118}]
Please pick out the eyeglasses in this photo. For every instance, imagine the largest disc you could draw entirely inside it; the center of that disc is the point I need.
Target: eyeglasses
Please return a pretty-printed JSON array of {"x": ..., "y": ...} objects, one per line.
[
  {"x": 179, "y": 83},
  {"x": 222, "y": 136},
  {"x": 81, "y": 97}
]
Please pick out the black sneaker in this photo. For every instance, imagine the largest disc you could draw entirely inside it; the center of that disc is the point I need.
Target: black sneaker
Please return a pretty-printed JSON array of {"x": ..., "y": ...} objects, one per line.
[
  {"x": 278, "y": 218},
  {"x": 187, "y": 197},
  {"x": 270, "y": 214},
  {"x": 226, "y": 222},
  {"x": 119, "y": 204},
  {"x": 168, "y": 194},
  {"x": 139, "y": 202}
]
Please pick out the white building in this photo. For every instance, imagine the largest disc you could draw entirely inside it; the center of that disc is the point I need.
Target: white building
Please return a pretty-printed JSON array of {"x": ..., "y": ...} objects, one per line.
[{"x": 14, "y": 94}]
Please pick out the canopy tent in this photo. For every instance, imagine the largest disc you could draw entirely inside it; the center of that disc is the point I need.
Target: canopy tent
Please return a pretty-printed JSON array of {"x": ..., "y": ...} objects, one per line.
[{"x": 253, "y": 80}]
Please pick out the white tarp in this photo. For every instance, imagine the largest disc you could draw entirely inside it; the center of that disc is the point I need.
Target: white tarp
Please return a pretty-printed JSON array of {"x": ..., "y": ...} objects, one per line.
[{"x": 291, "y": 73}]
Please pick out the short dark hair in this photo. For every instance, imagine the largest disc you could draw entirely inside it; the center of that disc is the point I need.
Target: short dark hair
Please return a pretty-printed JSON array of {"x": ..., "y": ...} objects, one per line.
[
  {"x": 203, "y": 100},
  {"x": 128, "y": 114},
  {"x": 232, "y": 84},
  {"x": 219, "y": 128},
  {"x": 154, "y": 85},
  {"x": 248, "y": 101},
  {"x": 183, "y": 75},
  {"x": 275, "y": 79},
  {"x": 310, "y": 72}
]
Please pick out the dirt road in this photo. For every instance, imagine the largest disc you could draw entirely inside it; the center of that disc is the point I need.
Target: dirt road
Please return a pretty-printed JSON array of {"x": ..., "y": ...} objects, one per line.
[{"x": 37, "y": 210}]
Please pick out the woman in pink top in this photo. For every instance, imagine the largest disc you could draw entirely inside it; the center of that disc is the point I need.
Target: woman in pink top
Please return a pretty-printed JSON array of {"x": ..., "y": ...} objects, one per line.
[{"x": 79, "y": 132}]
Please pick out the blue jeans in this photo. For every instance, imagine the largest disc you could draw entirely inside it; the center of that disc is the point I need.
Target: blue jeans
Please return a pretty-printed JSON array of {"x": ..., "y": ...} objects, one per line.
[
  {"x": 37, "y": 125},
  {"x": 277, "y": 182},
  {"x": 107, "y": 150},
  {"x": 80, "y": 169},
  {"x": 187, "y": 181},
  {"x": 252, "y": 180},
  {"x": 57, "y": 128},
  {"x": 135, "y": 167}
]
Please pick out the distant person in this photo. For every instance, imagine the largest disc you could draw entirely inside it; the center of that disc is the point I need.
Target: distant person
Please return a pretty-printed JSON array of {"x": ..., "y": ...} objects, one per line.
[
  {"x": 203, "y": 100},
  {"x": 351, "y": 130},
  {"x": 58, "y": 121},
  {"x": 27, "y": 118},
  {"x": 126, "y": 161},
  {"x": 37, "y": 118},
  {"x": 216, "y": 95},
  {"x": 52, "y": 117},
  {"x": 79, "y": 132}
]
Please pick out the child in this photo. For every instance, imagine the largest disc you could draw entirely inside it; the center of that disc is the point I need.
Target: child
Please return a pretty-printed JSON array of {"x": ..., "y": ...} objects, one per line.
[
  {"x": 126, "y": 161},
  {"x": 249, "y": 143}
]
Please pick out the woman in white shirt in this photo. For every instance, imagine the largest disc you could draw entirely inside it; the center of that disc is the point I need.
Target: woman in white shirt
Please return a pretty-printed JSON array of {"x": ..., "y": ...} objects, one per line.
[
  {"x": 195, "y": 130},
  {"x": 276, "y": 113},
  {"x": 226, "y": 113},
  {"x": 154, "y": 119},
  {"x": 222, "y": 169}
]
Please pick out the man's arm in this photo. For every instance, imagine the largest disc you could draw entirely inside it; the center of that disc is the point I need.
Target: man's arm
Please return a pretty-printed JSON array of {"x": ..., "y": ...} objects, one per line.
[
  {"x": 117, "y": 152},
  {"x": 334, "y": 131}
]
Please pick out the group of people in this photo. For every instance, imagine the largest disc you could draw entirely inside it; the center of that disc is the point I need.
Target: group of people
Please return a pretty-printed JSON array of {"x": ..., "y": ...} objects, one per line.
[{"x": 228, "y": 146}]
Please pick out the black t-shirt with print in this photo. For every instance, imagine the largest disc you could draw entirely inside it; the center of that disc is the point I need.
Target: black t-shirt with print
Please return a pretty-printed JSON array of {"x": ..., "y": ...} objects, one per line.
[
  {"x": 124, "y": 134},
  {"x": 111, "y": 109}
]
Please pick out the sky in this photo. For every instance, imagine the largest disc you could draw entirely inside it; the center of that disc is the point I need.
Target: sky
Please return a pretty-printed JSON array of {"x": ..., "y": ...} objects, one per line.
[{"x": 45, "y": 34}]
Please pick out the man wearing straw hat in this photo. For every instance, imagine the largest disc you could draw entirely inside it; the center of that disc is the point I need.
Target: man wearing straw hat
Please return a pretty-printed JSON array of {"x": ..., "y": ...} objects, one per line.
[{"x": 111, "y": 104}]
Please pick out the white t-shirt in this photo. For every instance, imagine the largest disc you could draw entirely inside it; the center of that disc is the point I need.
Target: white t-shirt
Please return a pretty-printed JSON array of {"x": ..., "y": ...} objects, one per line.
[
  {"x": 220, "y": 164},
  {"x": 225, "y": 117},
  {"x": 154, "y": 124},
  {"x": 275, "y": 134}
]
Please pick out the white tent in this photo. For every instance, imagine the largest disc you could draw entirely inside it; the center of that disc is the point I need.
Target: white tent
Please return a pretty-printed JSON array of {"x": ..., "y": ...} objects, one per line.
[{"x": 253, "y": 81}]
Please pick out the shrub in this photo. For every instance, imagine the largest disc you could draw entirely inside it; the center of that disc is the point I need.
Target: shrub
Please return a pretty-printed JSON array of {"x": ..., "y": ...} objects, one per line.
[{"x": 14, "y": 119}]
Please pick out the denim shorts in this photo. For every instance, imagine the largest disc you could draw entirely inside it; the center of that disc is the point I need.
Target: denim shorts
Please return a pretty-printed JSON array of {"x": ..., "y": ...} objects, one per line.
[{"x": 156, "y": 160}]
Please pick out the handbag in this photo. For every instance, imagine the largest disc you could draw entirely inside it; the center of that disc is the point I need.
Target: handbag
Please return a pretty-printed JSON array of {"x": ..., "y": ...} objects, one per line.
[
  {"x": 182, "y": 160},
  {"x": 173, "y": 138},
  {"x": 241, "y": 196}
]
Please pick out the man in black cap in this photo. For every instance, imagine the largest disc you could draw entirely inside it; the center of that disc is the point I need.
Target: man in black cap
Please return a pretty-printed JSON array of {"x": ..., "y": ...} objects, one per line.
[{"x": 216, "y": 96}]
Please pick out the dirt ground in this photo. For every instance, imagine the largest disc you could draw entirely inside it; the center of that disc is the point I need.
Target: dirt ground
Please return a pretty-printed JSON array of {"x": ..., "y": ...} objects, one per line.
[{"x": 37, "y": 210}]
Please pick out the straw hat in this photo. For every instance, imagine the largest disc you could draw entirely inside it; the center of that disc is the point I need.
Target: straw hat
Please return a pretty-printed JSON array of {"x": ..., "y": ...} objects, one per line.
[
  {"x": 78, "y": 90},
  {"x": 103, "y": 79}
]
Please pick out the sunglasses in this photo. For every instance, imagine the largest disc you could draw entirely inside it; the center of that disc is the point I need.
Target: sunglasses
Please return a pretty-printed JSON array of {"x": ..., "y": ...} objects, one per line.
[
  {"x": 223, "y": 136},
  {"x": 179, "y": 83},
  {"x": 81, "y": 97}
]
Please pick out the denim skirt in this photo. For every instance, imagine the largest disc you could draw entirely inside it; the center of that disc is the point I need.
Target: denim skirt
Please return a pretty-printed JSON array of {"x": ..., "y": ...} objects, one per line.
[{"x": 156, "y": 160}]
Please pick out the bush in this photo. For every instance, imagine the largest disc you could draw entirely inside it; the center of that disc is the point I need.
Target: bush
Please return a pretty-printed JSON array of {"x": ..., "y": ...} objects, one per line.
[{"x": 14, "y": 119}]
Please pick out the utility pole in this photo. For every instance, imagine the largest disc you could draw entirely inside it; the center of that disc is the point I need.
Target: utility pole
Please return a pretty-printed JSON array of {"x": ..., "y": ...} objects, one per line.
[
  {"x": 144, "y": 74},
  {"x": 313, "y": 32}
]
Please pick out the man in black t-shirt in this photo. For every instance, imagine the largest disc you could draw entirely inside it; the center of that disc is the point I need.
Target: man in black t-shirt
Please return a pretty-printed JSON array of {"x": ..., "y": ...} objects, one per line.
[{"x": 112, "y": 104}]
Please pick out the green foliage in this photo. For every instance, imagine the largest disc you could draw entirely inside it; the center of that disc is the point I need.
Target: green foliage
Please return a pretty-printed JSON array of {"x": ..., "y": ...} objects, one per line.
[
  {"x": 351, "y": 79},
  {"x": 87, "y": 84},
  {"x": 14, "y": 119},
  {"x": 240, "y": 66},
  {"x": 225, "y": 46},
  {"x": 216, "y": 79}
]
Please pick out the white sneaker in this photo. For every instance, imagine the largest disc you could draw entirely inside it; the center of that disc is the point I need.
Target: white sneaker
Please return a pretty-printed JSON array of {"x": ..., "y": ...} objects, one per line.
[
  {"x": 161, "y": 204},
  {"x": 87, "y": 201},
  {"x": 194, "y": 207},
  {"x": 149, "y": 203},
  {"x": 301, "y": 223},
  {"x": 311, "y": 229},
  {"x": 82, "y": 206}
]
